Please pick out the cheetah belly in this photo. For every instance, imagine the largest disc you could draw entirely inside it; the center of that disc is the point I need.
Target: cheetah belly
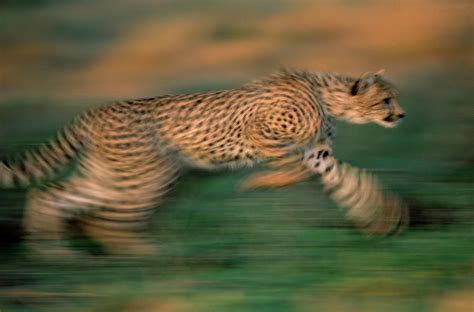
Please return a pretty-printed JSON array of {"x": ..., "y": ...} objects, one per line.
[{"x": 217, "y": 159}]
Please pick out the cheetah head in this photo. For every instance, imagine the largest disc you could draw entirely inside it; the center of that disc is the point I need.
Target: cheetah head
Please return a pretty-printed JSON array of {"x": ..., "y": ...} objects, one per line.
[{"x": 376, "y": 100}]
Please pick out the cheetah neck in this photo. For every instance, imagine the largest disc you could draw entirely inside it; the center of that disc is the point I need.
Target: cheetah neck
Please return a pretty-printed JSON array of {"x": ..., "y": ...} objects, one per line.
[{"x": 335, "y": 94}]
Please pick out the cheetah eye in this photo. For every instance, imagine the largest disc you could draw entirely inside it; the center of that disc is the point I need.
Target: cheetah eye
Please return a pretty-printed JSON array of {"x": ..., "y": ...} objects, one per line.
[{"x": 387, "y": 100}]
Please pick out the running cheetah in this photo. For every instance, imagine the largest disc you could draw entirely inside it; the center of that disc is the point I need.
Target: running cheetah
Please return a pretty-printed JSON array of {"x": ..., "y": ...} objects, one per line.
[{"x": 128, "y": 154}]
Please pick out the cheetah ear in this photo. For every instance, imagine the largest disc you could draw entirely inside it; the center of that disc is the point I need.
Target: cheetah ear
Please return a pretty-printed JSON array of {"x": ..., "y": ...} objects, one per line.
[
  {"x": 363, "y": 83},
  {"x": 380, "y": 72}
]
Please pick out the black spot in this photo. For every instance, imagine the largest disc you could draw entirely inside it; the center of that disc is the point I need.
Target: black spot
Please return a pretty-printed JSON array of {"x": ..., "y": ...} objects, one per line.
[
  {"x": 316, "y": 164},
  {"x": 311, "y": 156},
  {"x": 329, "y": 168},
  {"x": 355, "y": 87},
  {"x": 325, "y": 154}
]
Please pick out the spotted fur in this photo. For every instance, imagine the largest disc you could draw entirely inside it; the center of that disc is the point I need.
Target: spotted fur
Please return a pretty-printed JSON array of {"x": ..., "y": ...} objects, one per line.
[{"x": 128, "y": 154}]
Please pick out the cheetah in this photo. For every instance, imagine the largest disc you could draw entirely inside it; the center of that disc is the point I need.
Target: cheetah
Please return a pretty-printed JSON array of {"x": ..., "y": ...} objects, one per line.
[{"x": 128, "y": 154}]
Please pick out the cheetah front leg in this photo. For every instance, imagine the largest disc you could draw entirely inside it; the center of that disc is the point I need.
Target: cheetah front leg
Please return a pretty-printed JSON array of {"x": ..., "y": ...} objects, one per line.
[
  {"x": 358, "y": 192},
  {"x": 285, "y": 171},
  {"x": 293, "y": 168},
  {"x": 319, "y": 159}
]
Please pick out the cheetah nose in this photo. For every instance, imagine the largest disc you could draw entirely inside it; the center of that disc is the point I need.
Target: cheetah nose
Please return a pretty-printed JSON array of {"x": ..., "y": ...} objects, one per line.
[{"x": 401, "y": 115}]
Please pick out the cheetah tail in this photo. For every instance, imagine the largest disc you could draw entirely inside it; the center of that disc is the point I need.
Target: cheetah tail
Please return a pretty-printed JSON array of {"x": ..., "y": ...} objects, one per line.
[{"x": 43, "y": 162}]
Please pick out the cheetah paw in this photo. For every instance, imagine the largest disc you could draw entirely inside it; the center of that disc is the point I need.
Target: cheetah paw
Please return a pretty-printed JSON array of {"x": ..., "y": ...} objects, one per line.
[{"x": 319, "y": 160}]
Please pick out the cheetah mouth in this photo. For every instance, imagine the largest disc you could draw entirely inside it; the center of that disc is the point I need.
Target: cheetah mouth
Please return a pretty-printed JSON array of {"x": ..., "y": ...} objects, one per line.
[{"x": 389, "y": 123}]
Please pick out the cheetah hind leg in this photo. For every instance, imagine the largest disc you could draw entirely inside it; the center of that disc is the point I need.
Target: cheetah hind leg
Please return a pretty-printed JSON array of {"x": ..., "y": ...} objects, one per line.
[
  {"x": 49, "y": 210},
  {"x": 121, "y": 226},
  {"x": 121, "y": 243},
  {"x": 46, "y": 222}
]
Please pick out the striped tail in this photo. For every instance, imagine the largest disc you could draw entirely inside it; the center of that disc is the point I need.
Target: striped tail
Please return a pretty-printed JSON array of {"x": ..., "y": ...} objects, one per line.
[
  {"x": 44, "y": 162},
  {"x": 360, "y": 194}
]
